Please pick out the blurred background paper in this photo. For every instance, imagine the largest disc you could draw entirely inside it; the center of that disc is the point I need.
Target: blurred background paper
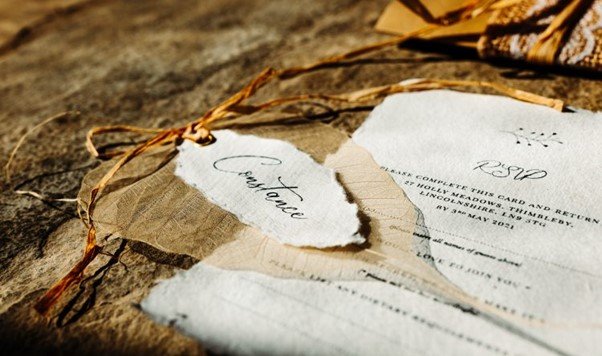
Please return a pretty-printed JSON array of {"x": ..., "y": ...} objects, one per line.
[{"x": 398, "y": 19}]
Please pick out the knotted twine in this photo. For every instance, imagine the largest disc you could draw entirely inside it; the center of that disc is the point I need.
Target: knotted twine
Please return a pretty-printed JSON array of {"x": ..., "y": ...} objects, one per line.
[{"x": 199, "y": 130}]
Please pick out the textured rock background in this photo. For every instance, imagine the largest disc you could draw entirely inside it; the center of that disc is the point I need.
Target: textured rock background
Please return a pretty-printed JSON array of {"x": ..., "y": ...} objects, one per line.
[{"x": 161, "y": 64}]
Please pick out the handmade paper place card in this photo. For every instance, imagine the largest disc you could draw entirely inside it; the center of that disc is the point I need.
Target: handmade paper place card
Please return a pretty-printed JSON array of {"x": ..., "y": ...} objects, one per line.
[{"x": 271, "y": 185}]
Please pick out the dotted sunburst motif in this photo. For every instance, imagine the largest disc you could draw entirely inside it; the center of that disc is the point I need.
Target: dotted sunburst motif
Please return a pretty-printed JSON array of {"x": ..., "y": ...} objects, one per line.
[{"x": 530, "y": 138}]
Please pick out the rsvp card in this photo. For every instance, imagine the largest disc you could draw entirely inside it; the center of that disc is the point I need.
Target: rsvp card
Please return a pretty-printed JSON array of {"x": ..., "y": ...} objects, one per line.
[{"x": 512, "y": 203}]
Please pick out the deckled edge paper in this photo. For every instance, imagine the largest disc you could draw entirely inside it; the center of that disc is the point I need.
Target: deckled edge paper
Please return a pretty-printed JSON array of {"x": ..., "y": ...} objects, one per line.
[
  {"x": 509, "y": 195},
  {"x": 241, "y": 312},
  {"x": 271, "y": 185}
]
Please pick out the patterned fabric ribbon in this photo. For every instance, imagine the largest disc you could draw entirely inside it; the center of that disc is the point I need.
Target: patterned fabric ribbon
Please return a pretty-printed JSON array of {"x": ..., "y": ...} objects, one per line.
[
  {"x": 566, "y": 33},
  {"x": 563, "y": 32}
]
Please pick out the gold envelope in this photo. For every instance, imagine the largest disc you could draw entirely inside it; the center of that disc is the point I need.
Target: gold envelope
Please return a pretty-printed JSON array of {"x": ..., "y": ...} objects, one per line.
[{"x": 398, "y": 19}]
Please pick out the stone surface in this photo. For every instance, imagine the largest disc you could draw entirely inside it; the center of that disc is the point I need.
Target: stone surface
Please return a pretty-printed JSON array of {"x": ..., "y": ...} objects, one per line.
[
  {"x": 19, "y": 18},
  {"x": 160, "y": 64}
]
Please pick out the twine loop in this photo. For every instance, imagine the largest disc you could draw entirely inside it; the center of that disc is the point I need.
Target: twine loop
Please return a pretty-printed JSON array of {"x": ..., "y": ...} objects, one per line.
[{"x": 198, "y": 133}]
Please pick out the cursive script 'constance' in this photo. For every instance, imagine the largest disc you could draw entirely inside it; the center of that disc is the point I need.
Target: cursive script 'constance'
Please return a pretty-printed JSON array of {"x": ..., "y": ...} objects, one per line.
[
  {"x": 271, "y": 194},
  {"x": 499, "y": 170}
]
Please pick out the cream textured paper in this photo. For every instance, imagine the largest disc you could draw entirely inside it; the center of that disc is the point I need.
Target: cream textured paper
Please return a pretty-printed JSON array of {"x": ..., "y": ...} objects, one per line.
[
  {"x": 511, "y": 199},
  {"x": 271, "y": 185},
  {"x": 247, "y": 313}
]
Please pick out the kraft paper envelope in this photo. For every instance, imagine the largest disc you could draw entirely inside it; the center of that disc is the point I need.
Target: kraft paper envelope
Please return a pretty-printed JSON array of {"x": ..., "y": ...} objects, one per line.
[{"x": 398, "y": 19}]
